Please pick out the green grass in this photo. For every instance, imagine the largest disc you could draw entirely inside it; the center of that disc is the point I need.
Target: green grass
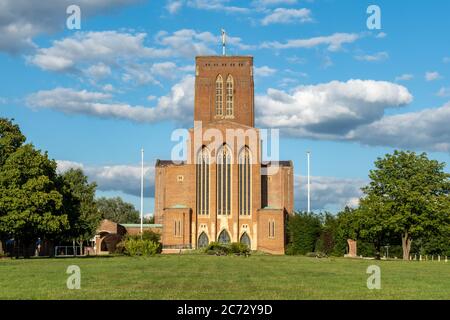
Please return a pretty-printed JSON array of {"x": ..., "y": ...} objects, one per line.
[{"x": 222, "y": 277}]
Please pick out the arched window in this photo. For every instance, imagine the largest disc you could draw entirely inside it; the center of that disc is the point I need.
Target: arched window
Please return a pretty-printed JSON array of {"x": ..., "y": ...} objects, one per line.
[
  {"x": 203, "y": 181},
  {"x": 230, "y": 96},
  {"x": 219, "y": 96},
  {"x": 224, "y": 181},
  {"x": 224, "y": 237},
  {"x": 245, "y": 182},
  {"x": 203, "y": 240},
  {"x": 245, "y": 239}
]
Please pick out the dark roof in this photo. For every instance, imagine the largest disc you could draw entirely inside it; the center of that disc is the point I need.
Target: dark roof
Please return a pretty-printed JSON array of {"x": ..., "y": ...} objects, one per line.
[
  {"x": 283, "y": 163},
  {"x": 165, "y": 163}
]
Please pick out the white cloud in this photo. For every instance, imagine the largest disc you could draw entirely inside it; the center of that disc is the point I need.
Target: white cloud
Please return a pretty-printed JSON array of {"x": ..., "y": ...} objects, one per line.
[
  {"x": 327, "y": 193},
  {"x": 174, "y": 6},
  {"x": 108, "y": 87},
  {"x": 216, "y": 5},
  {"x": 330, "y": 110},
  {"x": 333, "y": 42},
  {"x": 432, "y": 75},
  {"x": 121, "y": 178},
  {"x": 264, "y": 71},
  {"x": 22, "y": 20},
  {"x": 98, "y": 71},
  {"x": 177, "y": 105},
  {"x": 268, "y": 3},
  {"x": 381, "y": 35},
  {"x": 427, "y": 129},
  {"x": 107, "y": 47},
  {"x": 443, "y": 92},
  {"x": 379, "y": 56},
  {"x": 404, "y": 77},
  {"x": 284, "y": 16}
]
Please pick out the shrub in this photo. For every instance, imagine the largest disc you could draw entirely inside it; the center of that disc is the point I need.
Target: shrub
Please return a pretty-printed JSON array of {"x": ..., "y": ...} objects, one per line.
[
  {"x": 216, "y": 248},
  {"x": 239, "y": 248},
  {"x": 138, "y": 247}
]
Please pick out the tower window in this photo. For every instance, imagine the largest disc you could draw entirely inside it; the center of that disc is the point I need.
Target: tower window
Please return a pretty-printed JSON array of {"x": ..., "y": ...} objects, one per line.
[
  {"x": 219, "y": 96},
  {"x": 203, "y": 182},
  {"x": 244, "y": 182},
  {"x": 230, "y": 96},
  {"x": 224, "y": 181}
]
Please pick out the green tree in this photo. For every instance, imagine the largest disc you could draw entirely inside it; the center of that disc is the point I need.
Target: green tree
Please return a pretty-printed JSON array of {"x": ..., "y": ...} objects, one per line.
[
  {"x": 80, "y": 205},
  {"x": 117, "y": 210},
  {"x": 11, "y": 138},
  {"x": 30, "y": 203},
  {"x": 408, "y": 195},
  {"x": 303, "y": 230}
]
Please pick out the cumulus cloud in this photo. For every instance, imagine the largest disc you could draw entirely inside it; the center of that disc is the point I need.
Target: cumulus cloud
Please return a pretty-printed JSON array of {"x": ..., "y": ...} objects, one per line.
[
  {"x": 327, "y": 193},
  {"x": 121, "y": 178},
  {"x": 379, "y": 56},
  {"x": 100, "y": 54},
  {"x": 432, "y": 75},
  {"x": 177, "y": 105},
  {"x": 330, "y": 110},
  {"x": 285, "y": 16},
  {"x": 264, "y": 71},
  {"x": 427, "y": 129},
  {"x": 107, "y": 47},
  {"x": 333, "y": 42},
  {"x": 22, "y": 20}
]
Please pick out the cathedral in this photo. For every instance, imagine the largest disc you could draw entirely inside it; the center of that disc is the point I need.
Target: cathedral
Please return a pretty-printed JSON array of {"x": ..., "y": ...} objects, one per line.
[{"x": 223, "y": 191}]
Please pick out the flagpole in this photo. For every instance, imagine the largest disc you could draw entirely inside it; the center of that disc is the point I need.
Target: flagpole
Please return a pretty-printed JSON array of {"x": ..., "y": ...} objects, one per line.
[
  {"x": 142, "y": 190},
  {"x": 309, "y": 185}
]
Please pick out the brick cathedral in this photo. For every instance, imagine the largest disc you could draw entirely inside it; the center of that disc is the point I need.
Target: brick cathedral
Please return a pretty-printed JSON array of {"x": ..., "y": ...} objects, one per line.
[{"x": 222, "y": 191}]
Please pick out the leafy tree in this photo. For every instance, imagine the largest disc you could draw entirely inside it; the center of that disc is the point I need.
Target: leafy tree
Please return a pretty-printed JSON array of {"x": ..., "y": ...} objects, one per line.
[
  {"x": 408, "y": 195},
  {"x": 11, "y": 138},
  {"x": 304, "y": 230},
  {"x": 80, "y": 205},
  {"x": 117, "y": 210},
  {"x": 327, "y": 239},
  {"x": 30, "y": 203}
]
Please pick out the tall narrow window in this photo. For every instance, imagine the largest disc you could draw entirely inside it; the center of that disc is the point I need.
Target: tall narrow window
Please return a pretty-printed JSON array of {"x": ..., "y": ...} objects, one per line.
[
  {"x": 202, "y": 182},
  {"x": 224, "y": 181},
  {"x": 230, "y": 96},
  {"x": 245, "y": 177},
  {"x": 271, "y": 228},
  {"x": 177, "y": 228},
  {"x": 219, "y": 96}
]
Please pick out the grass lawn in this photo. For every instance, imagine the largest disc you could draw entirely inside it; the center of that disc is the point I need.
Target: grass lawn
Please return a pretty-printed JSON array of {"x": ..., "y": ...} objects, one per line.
[{"x": 210, "y": 277}]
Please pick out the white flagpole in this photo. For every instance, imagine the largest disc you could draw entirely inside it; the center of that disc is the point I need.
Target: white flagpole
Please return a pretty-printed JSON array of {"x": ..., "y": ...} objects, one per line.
[
  {"x": 223, "y": 42},
  {"x": 309, "y": 185},
  {"x": 142, "y": 190}
]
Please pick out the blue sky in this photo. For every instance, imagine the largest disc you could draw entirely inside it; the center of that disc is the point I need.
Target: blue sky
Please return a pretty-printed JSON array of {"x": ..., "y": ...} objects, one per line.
[{"x": 93, "y": 97}]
